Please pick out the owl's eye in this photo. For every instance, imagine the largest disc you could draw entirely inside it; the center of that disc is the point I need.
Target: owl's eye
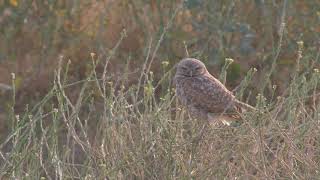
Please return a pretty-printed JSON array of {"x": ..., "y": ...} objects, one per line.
[{"x": 198, "y": 69}]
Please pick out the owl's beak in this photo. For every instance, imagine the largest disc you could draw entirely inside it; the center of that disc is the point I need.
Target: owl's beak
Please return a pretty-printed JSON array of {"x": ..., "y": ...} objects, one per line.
[{"x": 191, "y": 73}]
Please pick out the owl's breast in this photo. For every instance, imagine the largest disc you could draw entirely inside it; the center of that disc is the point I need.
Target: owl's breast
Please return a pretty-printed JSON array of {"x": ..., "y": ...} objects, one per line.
[{"x": 184, "y": 90}]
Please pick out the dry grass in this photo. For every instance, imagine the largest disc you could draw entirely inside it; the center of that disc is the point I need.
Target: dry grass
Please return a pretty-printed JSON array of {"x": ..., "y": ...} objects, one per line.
[{"x": 118, "y": 132}]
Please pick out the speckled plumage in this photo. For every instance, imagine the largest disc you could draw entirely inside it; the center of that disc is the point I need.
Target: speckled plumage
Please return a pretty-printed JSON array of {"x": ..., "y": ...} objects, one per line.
[{"x": 202, "y": 93}]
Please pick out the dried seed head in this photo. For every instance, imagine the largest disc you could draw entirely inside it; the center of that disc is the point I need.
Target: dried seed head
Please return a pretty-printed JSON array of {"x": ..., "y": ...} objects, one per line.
[
  {"x": 229, "y": 60},
  {"x": 13, "y": 76},
  {"x": 165, "y": 63}
]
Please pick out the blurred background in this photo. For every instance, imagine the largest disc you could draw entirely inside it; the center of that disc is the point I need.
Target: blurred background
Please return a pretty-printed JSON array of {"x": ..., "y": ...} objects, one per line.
[{"x": 35, "y": 33}]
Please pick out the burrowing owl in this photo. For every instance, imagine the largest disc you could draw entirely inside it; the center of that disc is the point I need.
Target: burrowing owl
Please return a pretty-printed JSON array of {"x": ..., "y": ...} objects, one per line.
[{"x": 203, "y": 94}]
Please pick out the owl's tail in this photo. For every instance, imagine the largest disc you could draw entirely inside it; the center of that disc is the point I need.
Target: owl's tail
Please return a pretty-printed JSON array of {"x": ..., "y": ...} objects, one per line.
[{"x": 244, "y": 106}]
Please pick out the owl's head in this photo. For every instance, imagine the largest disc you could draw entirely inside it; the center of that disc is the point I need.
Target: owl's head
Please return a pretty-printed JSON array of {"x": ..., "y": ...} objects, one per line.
[{"x": 191, "y": 67}]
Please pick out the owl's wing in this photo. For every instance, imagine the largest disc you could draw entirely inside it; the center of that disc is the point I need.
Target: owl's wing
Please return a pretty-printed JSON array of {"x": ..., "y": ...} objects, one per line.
[{"x": 208, "y": 93}]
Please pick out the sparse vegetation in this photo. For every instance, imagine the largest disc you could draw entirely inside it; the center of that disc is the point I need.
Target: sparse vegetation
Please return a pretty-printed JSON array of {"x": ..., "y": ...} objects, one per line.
[{"x": 125, "y": 123}]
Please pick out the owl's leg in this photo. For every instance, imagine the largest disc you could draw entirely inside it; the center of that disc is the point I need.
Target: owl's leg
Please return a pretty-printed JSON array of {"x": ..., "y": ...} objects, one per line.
[
  {"x": 224, "y": 119},
  {"x": 197, "y": 112}
]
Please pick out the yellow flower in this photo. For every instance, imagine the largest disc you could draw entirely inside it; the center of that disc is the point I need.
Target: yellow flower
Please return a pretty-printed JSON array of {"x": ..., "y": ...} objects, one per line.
[{"x": 14, "y": 3}]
